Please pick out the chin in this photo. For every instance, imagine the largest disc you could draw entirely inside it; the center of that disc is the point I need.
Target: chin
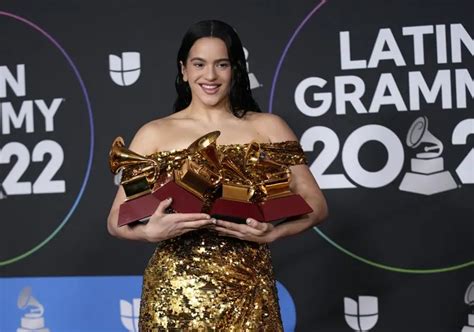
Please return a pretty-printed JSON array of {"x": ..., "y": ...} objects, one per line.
[{"x": 212, "y": 102}]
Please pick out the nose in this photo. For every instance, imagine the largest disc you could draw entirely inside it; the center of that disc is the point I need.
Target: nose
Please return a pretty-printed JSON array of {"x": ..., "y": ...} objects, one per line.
[{"x": 210, "y": 74}]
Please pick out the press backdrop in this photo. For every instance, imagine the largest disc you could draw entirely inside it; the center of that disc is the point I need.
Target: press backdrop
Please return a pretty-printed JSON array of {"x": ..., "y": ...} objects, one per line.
[{"x": 380, "y": 94}]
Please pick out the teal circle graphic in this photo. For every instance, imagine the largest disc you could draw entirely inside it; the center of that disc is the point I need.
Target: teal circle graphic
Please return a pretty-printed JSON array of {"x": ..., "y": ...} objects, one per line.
[{"x": 324, "y": 236}]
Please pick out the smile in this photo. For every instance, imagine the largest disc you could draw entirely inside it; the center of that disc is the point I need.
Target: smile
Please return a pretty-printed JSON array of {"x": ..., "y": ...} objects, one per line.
[{"x": 210, "y": 88}]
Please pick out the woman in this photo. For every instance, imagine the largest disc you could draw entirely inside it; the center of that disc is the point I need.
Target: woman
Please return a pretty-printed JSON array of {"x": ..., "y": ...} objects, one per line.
[{"x": 210, "y": 274}]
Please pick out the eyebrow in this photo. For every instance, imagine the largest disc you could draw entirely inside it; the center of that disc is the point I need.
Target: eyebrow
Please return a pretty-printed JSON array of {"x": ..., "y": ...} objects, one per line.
[{"x": 201, "y": 59}]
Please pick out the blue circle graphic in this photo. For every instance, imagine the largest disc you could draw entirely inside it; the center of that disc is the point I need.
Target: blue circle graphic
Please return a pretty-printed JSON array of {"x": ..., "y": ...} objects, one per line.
[{"x": 287, "y": 308}]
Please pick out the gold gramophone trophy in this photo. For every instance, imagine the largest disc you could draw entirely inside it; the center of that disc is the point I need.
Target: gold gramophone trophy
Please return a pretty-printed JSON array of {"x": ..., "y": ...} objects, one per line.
[
  {"x": 261, "y": 191},
  {"x": 201, "y": 180},
  {"x": 189, "y": 186},
  {"x": 139, "y": 173},
  {"x": 198, "y": 183},
  {"x": 216, "y": 184}
]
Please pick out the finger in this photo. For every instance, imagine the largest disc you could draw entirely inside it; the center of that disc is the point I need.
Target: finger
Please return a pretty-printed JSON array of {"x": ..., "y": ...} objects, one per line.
[
  {"x": 229, "y": 225},
  {"x": 256, "y": 224},
  {"x": 241, "y": 228},
  {"x": 196, "y": 224},
  {"x": 163, "y": 205},
  {"x": 187, "y": 217},
  {"x": 227, "y": 232}
]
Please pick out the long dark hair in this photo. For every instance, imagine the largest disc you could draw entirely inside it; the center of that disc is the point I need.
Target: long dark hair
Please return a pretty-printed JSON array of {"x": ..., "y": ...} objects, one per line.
[{"x": 240, "y": 95}]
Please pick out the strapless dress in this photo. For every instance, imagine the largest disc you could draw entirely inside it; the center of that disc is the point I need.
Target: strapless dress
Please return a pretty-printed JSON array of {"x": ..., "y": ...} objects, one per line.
[{"x": 200, "y": 281}]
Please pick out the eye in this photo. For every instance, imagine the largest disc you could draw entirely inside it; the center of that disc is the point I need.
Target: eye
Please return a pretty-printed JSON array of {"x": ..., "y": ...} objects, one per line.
[
  {"x": 198, "y": 64},
  {"x": 223, "y": 65}
]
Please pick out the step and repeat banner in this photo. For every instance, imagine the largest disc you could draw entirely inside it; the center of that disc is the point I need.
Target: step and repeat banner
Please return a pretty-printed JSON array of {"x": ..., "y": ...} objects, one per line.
[{"x": 380, "y": 94}]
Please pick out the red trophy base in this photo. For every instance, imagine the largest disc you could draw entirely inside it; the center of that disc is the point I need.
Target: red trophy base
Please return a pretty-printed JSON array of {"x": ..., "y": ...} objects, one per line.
[
  {"x": 267, "y": 211},
  {"x": 144, "y": 206}
]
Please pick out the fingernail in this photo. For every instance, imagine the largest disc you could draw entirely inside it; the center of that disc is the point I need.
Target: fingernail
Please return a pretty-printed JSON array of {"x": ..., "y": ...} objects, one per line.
[
  {"x": 169, "y": 199},
  {"x": 249, "y": 221},
  {"x": 214, "y": 221}
]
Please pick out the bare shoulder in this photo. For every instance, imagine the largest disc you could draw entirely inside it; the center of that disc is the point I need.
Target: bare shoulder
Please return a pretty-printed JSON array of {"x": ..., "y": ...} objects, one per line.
[
  {"x": 152, "y": 136},
  {"x": 272, "y": 126}
]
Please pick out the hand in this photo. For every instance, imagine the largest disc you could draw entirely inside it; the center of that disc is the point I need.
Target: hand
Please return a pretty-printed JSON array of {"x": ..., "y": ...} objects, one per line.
[
  {"x": 255, "y": 231},
  {"x": 163, "y": 226}
]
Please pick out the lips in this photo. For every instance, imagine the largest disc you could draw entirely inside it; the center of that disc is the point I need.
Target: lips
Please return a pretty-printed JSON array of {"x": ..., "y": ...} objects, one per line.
[{"x": 209, "y": 88}]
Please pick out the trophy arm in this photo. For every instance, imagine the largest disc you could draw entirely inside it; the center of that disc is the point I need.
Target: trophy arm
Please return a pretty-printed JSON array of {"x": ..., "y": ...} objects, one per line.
[{"x": 230, "y": 166}]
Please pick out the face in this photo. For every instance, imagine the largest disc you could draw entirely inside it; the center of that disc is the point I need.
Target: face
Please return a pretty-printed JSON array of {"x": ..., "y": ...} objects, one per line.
[{"x": 208, "y": 72}]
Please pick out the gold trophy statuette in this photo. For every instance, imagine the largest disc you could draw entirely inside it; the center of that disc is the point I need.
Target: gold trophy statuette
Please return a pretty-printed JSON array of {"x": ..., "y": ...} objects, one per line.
[
  {"x": 138, "y": 176},
  {"x": 139, "y": 173},
  {"x": 261, "y": 190},
  {"x": 201, "y": 180},
  {"x": 191, "y": 187}
]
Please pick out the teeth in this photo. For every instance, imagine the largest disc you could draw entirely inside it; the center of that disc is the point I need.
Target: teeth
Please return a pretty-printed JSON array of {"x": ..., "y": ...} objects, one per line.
[{"x": 208, "y": 86}]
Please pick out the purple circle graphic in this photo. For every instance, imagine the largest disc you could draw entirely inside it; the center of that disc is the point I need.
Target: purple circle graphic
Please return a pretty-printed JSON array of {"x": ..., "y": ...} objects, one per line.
[
  {"x": 91, "y": 135},
  {"x": 287, "y": 47}
]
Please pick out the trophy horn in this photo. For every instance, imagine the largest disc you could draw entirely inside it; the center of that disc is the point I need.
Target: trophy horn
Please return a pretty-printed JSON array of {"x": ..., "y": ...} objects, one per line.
[
  {"x": 252, "y": 155},
  {"x": 120, "y": 157},
  {"x": 206, "y": 146},
  {"x": 201, "y": 179},
  {"x": 255, "y": 157},
  {"x": 229, "y": 165}
]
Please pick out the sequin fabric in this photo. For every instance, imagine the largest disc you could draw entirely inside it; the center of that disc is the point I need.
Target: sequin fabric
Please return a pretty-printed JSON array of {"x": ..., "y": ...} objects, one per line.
[{"x": 200, "y": 281}]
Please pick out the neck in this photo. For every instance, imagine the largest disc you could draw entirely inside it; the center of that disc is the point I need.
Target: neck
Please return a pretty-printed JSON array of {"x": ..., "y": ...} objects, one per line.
[{"x": 209, "y": 114}]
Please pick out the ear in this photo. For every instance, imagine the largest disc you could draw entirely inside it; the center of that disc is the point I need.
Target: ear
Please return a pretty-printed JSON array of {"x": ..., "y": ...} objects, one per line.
[{"x": 183, "y": 71}]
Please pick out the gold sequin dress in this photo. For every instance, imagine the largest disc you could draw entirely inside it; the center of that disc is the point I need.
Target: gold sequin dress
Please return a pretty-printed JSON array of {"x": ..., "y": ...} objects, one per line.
[{"x": 200, "y": 281}]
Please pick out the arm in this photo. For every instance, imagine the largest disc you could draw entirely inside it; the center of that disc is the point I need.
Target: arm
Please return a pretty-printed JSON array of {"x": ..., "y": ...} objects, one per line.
[
  {"x": 302, "y": 183},
  {"x": 161, "y": 226}
]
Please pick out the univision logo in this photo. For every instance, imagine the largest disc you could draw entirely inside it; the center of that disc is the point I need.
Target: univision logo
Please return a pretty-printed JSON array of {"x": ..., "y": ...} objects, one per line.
[
  {"x": 363, "y": 314},
  {"x": 129, "y": 314},
  {"x": 124, "y": 70}
]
